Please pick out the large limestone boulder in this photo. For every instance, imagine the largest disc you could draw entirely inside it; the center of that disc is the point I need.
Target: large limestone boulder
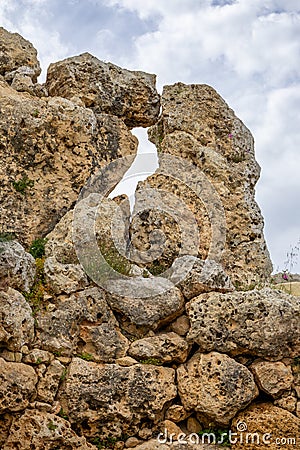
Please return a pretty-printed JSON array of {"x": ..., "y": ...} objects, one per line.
[
  {"x": 41, "y": 430},
  {"x": 17, "y": 267},
  {"x": 260, "y": 322},
  {"x": 106, "y": 88},
  {"x": 49, "y": 149},
  {"x": 114, "y": 400},
  {"x": 17, "y": 386},
  {"x": 197, "y": 126},
  {"x": 82, "y": 324},
  {"x": 17, "y": 323},
  {"x": 265, "y": 426},
  {"x": 17, "y": 53},
  {"x": 216, "y": 386}
]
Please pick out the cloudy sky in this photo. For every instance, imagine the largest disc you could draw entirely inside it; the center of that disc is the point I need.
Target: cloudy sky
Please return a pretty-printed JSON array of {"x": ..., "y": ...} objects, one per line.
[{"x": 249, "y": 50}]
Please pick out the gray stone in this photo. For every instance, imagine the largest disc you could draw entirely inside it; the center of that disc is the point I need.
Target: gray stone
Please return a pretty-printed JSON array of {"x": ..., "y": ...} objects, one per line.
[
  {"x": 260, "y": 322},
  {"x": 17, "y": 267},
  {"x": 17, "y": 323},
  {"x": 165, "y": 348}
]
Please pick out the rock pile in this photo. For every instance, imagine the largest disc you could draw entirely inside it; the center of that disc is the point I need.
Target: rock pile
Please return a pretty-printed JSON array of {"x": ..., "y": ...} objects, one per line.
[{"x": 156, "y": 355}]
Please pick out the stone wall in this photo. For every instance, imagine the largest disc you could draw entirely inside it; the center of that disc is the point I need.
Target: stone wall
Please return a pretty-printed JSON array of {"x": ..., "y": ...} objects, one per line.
[{"x": 105, "y": 340}]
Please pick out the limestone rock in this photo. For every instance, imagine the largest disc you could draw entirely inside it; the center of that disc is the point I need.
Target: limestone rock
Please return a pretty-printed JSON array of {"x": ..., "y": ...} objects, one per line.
[
  {"x": 17, "y": 386},
  {"x": 172, "y": 429},
  {"x": 113, "y": 400},
  {"x": 165, "y": 348},
  {"x": 181, "y": 325},
  {"x": 260, "y": 322},
  {"x": 197, "y": 125},
  {"x": 182, "y": 444},
  {"x": 48, "y": 384},
  {"x": 176, "y": 413},
  {"x": 272, "y": 377},
  {"x": 149, "y": 311},
  {"x": 205, "y": 276},
  {"x": 287, "y": 401},
  {"x": 15, "y": 53},
  {"x": 17, "y": 323},
  {"x": 83, "y": 323},
  {"x": 37, "y": 356},
  {"x": 49, "y": 149},
  {"x": 36, "y": 430},
  {"x": 106, "y": 88},
  {"x": 215, "y": 385},
  {"x": 64, "y": 278},
  {"x": 269, "y": 423},
  {"x": 17, "y": 267}
]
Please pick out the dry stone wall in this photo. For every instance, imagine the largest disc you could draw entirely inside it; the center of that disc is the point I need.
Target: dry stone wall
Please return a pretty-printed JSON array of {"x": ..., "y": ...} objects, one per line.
[{"x": 147, "y": 359}]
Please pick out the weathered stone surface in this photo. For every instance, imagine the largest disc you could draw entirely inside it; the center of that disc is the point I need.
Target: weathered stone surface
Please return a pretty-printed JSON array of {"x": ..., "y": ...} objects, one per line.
[
  {"x": 38, "y": 356},
  {"x": 165, "y": 347},
  {"x": 64, "y": 278},
  {"x": 272, "y": 377},
  {"x": 205, "y": 276},
  {"x": 181, "y": 325},
  {"x": 112, "y": 400},
  {"x": 49, "y": 149},
  {"x": 196, "y": 124},
  {"x": 260, "y": 322},
  {"x": 149, "y": 311},
  {"x": 17, "y": 323},
  {"x": 215, "y": 385},
  {"x": 17, "y": 267},
  {"x": 36, "y": 430},
  {"x": 288, "y": 401},
  {"x": 81, "y": 323},
  {"x": 184, "y": 444},
  {"x": 106, "y": 88},
  {"x": 17, "y": 386},
  {"x": 15, "y": 53},
  {"x": 176, "y": 413},
  {"x": 48, "y": 384},
  {"x": 269, "y": 423}
]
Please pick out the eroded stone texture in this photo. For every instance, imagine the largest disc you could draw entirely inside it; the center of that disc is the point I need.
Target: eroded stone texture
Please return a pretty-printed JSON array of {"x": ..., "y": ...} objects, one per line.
[
  {"x": 81, "y": 323},
  {"x": 260, "y": 322},
  {"x": 15, "y": 53},
  {"x": 272, "y": 377},
  {"x": 165, "y": 347},
  {"x": 114, "y": 400},
  {"x": 215, "y": 385},
  {"x": 149, "y": 311},
  {"x": 197, "y": 125},
  {"x": 36, "y": 430},
  {"x": 17, "y": 267},
  {"x": 106, "y": 88},
  {"x": 17, "y": 323},
  {"x": 50, "y": 147},
  {"x": 270, "y": 422},
  {"x": 64, "y": 278},
  {"x": 205, "y": 276},
  {"x": 17, "y": 386},
  {"x": 48, "y": 384}
]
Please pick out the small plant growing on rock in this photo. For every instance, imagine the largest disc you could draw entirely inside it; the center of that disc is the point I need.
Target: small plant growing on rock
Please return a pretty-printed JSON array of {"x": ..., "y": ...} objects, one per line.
[
  {"x": 153, "y": 361},
  {"x": 37, "y": 248},
  {"x": 23, "y": 184},
  {"x": 220, "y": 436},
  {"x": 36, "y": 294},
  {"x": 51, "y": 426},
  {"x": 109, "y": 442},
  {"x": 63, "y": 415},
  {"x": 86, "y": 356}
]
